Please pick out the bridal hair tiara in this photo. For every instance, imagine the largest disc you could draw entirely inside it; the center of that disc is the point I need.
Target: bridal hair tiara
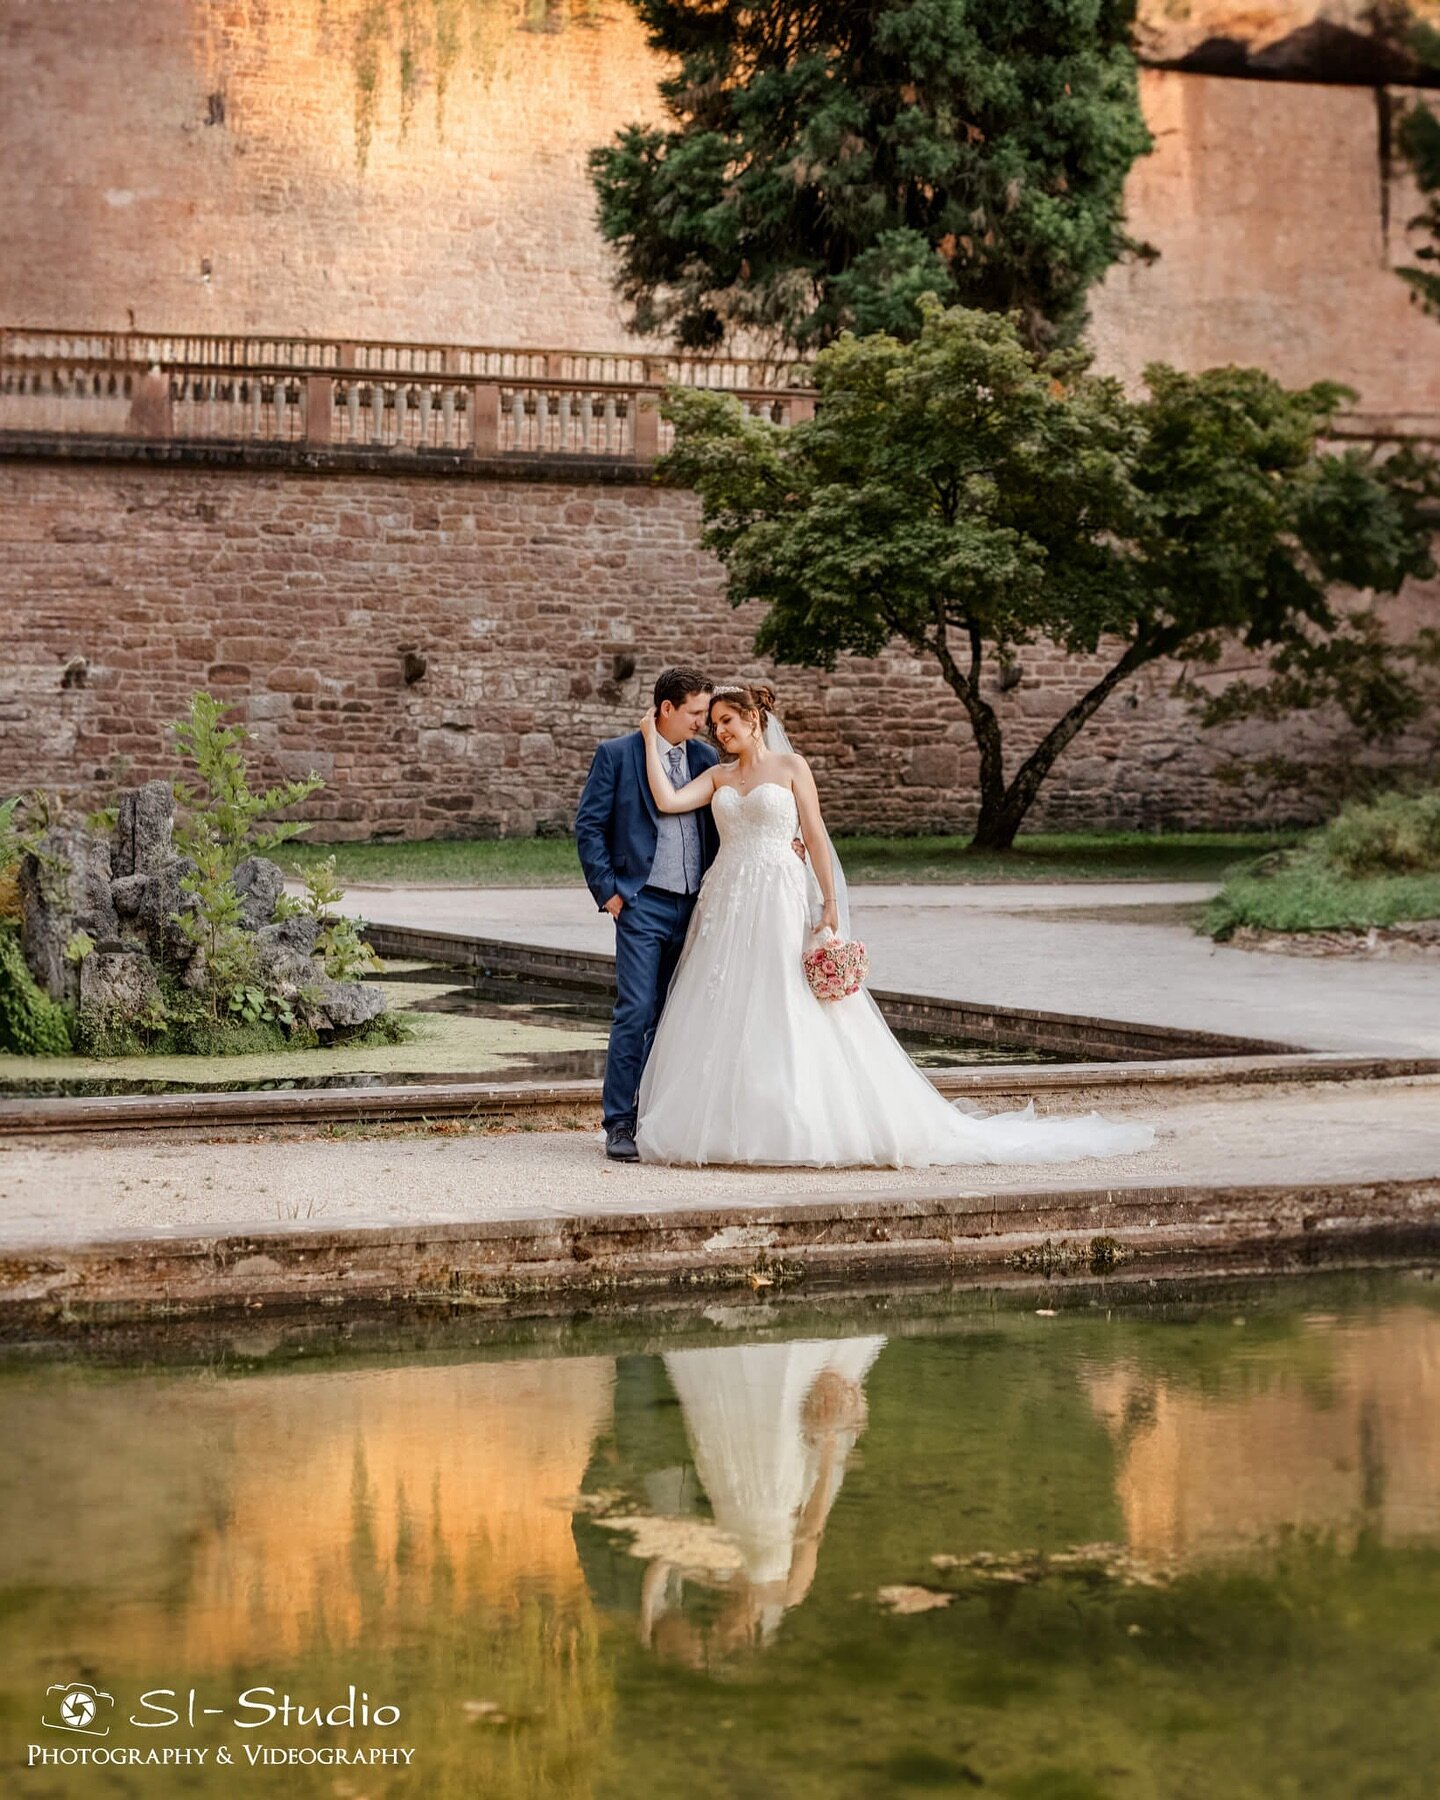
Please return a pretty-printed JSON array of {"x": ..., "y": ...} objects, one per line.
[{"x": 756, "y": 693}]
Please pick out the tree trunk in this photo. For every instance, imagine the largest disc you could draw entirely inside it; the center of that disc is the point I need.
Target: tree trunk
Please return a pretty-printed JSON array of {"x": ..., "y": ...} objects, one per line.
[
  {"x": 984, "y": 725},
  {"x": 1000, "y": 821},
  {"x": 1003, "y": 807}
]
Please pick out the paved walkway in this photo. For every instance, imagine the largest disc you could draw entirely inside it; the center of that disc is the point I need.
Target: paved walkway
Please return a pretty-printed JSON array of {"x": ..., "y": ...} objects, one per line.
[
  {"x": 1120, "y": 950},
  {"x": 77, "y": 1190}
]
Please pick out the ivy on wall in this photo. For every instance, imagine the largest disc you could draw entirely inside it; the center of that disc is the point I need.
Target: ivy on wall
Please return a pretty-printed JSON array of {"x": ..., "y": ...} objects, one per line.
[{"x": 416, "y": 44}]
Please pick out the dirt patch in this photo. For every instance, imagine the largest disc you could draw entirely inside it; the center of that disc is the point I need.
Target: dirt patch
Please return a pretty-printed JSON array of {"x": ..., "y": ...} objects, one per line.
[
  {"x": 1142, "y": 912},
  {"x": 1418, "y": 939}
]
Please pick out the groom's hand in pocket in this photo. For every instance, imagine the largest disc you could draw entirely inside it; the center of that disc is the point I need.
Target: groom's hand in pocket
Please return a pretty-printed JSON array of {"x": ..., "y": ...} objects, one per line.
[
  {"x": 798, "y": 846},
  {"x": 614, "y": 906}
]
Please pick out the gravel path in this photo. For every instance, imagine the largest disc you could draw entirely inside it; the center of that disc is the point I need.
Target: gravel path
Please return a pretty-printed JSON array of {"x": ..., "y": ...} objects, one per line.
[{"x": 77, "y": 1189}]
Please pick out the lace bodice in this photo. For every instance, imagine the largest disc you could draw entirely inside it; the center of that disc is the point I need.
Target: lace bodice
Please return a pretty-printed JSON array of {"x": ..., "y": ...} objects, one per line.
[{"x": 765, "y": 818}]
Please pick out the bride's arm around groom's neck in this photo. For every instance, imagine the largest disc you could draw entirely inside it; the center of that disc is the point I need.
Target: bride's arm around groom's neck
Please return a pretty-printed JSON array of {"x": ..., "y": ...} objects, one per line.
[{"x": 667, "y": 797}]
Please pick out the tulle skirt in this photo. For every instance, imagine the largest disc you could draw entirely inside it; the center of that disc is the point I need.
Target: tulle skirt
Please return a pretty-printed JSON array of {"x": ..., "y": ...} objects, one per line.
[{"x": 749, "y": 1067}]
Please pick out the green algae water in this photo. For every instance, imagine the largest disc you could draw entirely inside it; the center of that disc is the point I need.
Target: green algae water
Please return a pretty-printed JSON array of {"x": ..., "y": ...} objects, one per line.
[{"x": 1041, "y": 1545}]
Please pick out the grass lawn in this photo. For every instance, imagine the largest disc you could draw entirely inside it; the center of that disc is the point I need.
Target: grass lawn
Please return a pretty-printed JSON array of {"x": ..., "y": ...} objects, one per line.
[
  {"x": 1318, "y": 899},
  {"x": 1038, "y": 856},
  {"x": 1377, "y": 863}
]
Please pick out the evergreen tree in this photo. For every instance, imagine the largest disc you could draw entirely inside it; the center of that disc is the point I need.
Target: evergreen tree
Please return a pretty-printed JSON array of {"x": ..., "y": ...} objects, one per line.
[{"x": 828, "y": 164}]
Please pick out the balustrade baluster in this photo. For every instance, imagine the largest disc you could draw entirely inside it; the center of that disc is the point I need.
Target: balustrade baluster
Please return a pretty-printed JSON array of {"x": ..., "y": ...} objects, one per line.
[{"x": 278, "y": 389}]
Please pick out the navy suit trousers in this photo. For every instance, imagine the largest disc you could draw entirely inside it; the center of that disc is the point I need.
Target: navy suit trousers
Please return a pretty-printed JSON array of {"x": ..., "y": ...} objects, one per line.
[{"x": 649, "y": 936}]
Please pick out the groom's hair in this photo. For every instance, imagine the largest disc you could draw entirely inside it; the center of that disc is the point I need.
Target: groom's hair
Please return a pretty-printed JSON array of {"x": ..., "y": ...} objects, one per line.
[{"x": 677, "y": 685}]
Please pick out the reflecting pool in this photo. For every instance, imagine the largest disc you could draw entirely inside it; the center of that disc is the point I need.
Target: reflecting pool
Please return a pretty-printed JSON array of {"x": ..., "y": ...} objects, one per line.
[{"x": 1030, "y": 1545}]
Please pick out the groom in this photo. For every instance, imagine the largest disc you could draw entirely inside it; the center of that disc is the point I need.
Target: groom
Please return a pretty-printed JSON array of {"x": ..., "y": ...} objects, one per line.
[{"x": 644, "y": 868}]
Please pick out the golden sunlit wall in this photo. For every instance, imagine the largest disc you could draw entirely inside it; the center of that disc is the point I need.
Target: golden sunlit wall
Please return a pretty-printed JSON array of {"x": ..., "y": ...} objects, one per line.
[{"x": 415, "y": 169}]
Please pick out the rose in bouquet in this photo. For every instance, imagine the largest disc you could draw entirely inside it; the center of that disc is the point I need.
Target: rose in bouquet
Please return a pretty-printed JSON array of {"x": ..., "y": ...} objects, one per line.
[{"x": 836, "y": 967}]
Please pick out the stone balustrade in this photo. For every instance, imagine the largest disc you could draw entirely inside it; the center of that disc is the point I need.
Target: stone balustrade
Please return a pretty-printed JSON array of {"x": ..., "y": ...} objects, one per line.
[
  {"x": 363, "y": 396},
  {"x": 20, "y": 345},
  {"x": 317, "y": 393}
]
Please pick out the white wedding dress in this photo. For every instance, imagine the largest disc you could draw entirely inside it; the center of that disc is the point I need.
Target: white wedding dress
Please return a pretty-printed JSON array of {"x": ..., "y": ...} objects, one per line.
[
  {"x": 749, "y": 1067},
  {"x": 744, "y": 1411}
]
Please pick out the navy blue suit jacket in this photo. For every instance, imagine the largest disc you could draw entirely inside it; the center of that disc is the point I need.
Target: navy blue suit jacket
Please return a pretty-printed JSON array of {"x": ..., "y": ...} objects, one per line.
[{"x": 617, "y": 823}]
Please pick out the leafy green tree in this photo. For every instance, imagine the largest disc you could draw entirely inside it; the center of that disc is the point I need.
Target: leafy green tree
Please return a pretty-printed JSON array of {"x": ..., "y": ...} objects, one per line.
[
  {"x": 827, "y": 165},
  {"x": 966, "y": 496},
  {"x": 1418, "y": 137}
]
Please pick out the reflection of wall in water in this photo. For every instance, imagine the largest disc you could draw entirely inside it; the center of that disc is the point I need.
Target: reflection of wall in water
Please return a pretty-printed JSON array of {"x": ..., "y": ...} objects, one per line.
[
  {"x": 1354, "y": 1446},
  {"x": 348, "y": 1499},
  {"x": 266, "y": 1517}
]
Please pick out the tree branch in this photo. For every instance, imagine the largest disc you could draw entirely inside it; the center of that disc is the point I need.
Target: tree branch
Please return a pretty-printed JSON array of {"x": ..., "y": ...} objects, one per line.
[{"x": 1037, "y": 765}]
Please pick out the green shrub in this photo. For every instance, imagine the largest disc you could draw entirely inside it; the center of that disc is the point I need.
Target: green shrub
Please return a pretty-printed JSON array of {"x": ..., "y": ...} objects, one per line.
[
  {"x": 9, "y": 832},
  {"x": 1396, "y": 835},
  {"x": 31, "y": 1024},
  {"x": 1376, "y": 864},
  {"x": 184, "y": 1026},
  {"x": 388, "y": 1028},
  {"x": 1311, "y": 898}
]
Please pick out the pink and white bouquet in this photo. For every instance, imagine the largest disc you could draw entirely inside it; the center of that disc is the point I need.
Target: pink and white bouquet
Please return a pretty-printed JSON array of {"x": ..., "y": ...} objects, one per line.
[{"x": 836, "y": 967}]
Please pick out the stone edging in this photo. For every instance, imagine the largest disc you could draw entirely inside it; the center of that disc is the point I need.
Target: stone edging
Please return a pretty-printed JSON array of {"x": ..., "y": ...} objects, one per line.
[
  {"x": 1147, "y": 1230},
  {"x": 220, "y": 453},
  {"x": 579, "y": 1101},
  {"x": 1083, "y": 1034}
]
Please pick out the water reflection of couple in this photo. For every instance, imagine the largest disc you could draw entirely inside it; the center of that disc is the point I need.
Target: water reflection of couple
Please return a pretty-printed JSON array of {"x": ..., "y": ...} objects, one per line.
[{"x": 771, "y": 1427}]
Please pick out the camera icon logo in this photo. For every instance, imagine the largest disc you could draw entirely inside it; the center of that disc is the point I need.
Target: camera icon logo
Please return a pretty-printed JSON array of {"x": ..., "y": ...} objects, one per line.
[{"x": 78, "y": 1708}]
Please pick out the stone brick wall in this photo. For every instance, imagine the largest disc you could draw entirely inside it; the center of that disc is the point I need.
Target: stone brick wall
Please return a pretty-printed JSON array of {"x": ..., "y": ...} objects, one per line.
[
  {"x": 256, "y": 167},
  {"x": 268, "y": 166},
  {"x": 542, "y": 611}
]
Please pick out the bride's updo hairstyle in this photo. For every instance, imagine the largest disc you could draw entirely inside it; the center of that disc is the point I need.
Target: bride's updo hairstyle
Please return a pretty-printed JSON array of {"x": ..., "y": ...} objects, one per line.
[{"x": 755, "y": 699}]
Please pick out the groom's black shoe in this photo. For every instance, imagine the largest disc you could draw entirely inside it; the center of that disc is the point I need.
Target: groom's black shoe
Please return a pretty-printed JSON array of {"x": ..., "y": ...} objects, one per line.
[{"x": 620, "y": 1144}]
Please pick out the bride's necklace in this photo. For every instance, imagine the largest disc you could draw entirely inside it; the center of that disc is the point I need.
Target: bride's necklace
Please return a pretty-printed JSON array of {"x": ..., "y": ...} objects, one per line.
[{"x": 742, "y": 786}]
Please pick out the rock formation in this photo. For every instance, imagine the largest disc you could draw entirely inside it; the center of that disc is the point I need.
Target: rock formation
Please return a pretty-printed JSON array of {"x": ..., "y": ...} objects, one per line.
[{"x": 121, "y": 891}]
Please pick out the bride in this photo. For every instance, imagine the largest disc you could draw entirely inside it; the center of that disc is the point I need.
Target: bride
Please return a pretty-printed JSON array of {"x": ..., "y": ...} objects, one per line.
[{"x": 747, "y": 1065}]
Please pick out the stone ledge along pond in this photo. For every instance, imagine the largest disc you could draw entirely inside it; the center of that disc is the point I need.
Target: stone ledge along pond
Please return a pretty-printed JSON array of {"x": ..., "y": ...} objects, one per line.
[
  {"x": 1047, "y": 1545},
  {"x": 464, "y": 1029}
]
